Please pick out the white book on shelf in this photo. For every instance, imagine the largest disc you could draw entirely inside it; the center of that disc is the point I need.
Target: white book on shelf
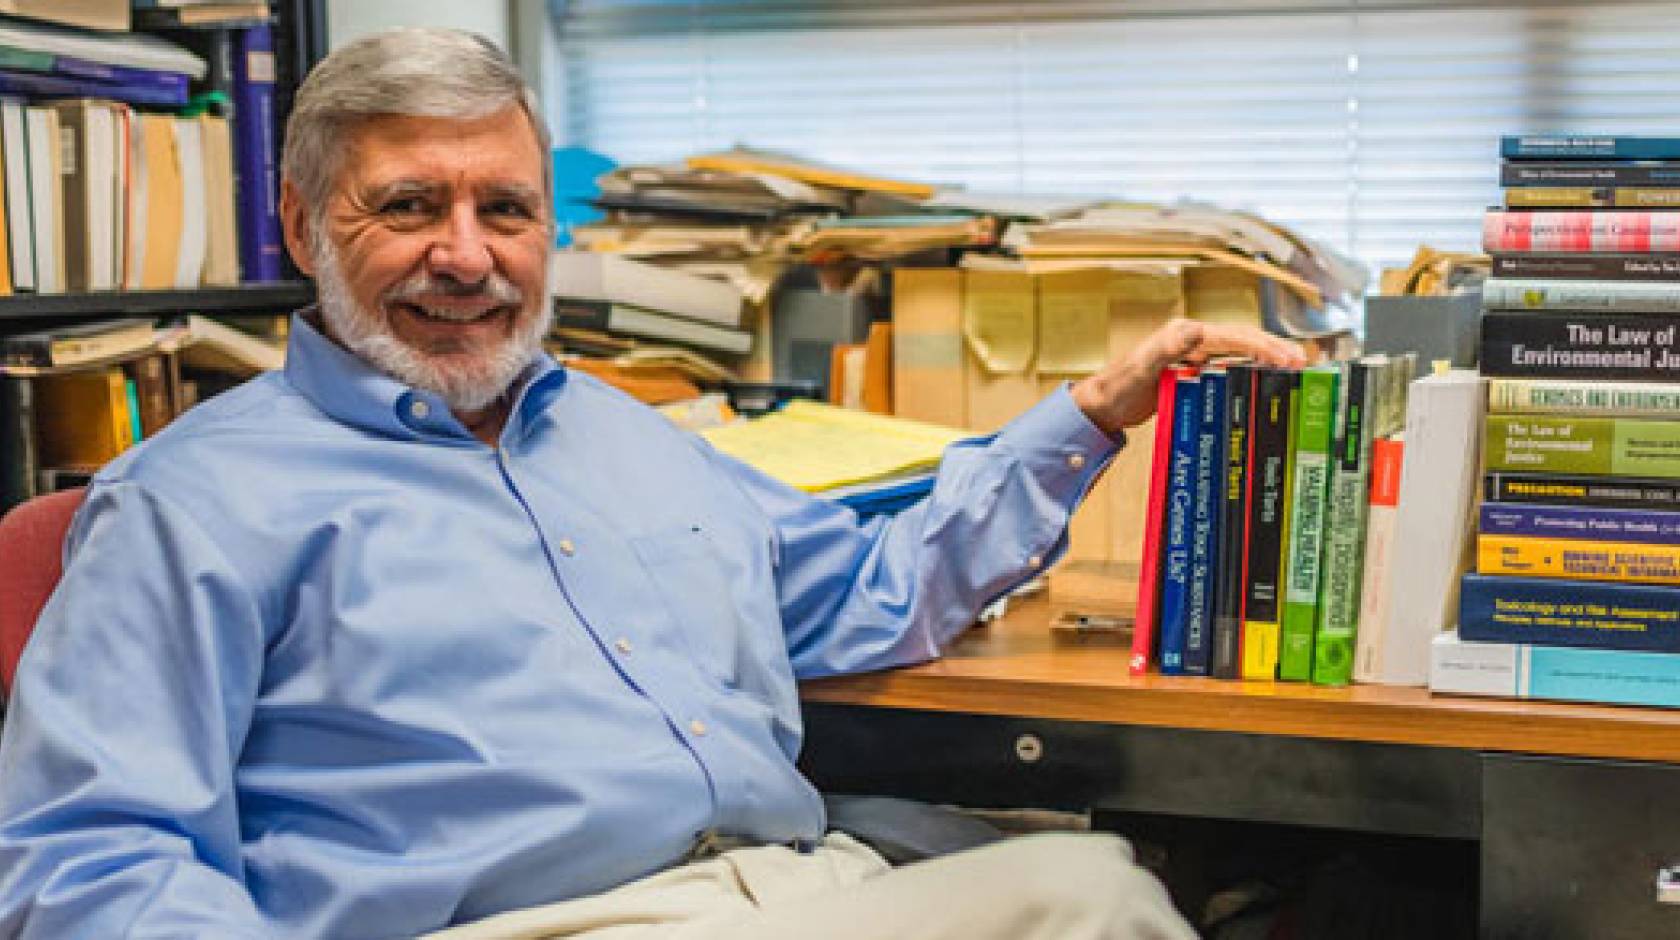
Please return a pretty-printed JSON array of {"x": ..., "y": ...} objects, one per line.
[
  {"x": 14, "y": 137},
  {"x": 1434, "y": 522},
  {"x": 46, "y": 199},
  {"x": 592, "y": 275},
  {"x": 135, "y": 199},
  {"x": 189, "y": 149}
]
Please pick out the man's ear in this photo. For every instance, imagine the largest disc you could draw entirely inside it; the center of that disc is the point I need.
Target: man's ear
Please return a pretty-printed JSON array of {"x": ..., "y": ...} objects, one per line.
[{"x": 294, "y": 222}]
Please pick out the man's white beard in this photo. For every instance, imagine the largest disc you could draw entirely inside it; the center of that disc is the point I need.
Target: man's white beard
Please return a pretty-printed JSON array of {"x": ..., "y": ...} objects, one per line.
[{"x": 464, "y": 387}]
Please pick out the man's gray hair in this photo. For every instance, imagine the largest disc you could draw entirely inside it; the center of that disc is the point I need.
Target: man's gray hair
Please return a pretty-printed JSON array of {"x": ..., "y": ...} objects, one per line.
[{"x": 412, "y": 71}]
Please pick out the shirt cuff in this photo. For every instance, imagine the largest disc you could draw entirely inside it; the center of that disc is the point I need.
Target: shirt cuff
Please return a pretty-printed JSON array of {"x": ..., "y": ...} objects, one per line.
[{"x": 1061, "y": 444}]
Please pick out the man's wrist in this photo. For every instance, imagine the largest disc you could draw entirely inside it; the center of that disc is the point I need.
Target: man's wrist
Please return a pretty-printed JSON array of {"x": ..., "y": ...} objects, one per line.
[{"x": 1096, "y": 398}]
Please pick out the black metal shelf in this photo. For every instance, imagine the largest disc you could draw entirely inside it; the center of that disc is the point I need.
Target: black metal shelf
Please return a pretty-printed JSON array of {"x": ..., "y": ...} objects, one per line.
[{"x": 279, "y": 297}]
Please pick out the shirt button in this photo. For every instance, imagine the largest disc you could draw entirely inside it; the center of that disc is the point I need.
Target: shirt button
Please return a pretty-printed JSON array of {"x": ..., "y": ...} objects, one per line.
[
  {"x": 1076, "y": 460},
  {"x": 1035, "y": 561},
  {"x": 567, "y": 548},
  {"x": 419, "y": 409},
  {"x": 623, "y": 646},
  {"x": 697, "y": 727}
]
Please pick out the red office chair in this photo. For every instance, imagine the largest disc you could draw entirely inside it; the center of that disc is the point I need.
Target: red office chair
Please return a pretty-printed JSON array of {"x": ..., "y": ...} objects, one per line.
[{"x": 31, "y": 555}]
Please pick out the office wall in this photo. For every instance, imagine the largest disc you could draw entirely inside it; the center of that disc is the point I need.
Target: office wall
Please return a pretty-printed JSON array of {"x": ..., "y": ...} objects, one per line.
[{"x": 348, "y": 19}]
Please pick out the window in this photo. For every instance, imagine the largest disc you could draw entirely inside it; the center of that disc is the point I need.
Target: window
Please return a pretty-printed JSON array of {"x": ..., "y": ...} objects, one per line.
[{"x": 1370, "y": 126}]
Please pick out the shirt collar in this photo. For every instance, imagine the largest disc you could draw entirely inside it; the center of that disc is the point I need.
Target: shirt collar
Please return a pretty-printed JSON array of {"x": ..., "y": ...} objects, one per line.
[{"x": 353, "y": 392}]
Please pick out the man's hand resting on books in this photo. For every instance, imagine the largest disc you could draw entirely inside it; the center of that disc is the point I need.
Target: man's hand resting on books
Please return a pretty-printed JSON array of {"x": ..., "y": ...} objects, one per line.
[{"x": 1123, "y": 394}]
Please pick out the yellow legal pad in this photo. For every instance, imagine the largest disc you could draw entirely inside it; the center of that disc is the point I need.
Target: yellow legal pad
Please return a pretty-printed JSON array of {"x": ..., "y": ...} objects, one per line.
[{"x": 817, "y": 447}]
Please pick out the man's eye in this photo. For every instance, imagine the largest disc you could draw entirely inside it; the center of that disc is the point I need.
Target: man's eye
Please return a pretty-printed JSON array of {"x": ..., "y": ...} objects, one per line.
[
  {"x": 508, "y": 208},
  {"x": 403, "y": 205}
]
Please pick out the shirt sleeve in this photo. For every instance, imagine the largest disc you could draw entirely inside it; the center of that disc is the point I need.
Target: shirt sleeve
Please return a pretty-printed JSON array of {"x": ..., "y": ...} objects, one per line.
[
  {"x": 857, "y": 596},
  {"x": 117, "y": 810}
]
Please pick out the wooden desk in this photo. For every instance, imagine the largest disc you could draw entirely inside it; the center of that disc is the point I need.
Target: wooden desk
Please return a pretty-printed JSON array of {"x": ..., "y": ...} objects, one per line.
[{"x": 1575, "y": 807}]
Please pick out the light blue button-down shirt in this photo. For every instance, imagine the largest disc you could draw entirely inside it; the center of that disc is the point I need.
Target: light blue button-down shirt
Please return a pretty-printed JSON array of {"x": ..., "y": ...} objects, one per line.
[{"x": 324, "y": 665}]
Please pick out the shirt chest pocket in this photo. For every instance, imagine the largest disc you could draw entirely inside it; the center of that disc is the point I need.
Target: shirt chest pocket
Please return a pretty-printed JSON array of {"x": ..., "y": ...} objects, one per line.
[{"x": 689, "y": 578}]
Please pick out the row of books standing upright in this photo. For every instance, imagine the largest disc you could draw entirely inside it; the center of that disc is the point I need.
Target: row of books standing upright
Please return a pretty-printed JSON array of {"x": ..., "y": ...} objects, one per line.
[
  {"x": 1576, "y": 592},
  {"x": 1257, "y": 529},
  {"x": 132, "y": 161}
]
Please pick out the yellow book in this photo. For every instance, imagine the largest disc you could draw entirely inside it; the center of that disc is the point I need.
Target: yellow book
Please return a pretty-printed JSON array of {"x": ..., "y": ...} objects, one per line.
[
  {"x": 816, "y": 447},
  {"x": 1578, "y": 559},
  {"x": 163, "y": 205},
  {"x": 82, "y": 419},
  {"x": 5, "y": 236}
]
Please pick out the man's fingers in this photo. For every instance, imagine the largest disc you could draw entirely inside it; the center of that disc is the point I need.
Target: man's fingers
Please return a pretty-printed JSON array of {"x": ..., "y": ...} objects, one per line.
[{"x": 1253, "y": 343}]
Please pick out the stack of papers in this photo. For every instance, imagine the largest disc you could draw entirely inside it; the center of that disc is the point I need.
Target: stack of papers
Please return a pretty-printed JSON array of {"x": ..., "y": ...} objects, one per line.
[{"x": 864, "y": 460}]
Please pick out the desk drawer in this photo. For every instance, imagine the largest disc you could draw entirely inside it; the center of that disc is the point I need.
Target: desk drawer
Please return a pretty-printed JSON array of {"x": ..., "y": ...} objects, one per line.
[{"x": 1572, "y": 848}]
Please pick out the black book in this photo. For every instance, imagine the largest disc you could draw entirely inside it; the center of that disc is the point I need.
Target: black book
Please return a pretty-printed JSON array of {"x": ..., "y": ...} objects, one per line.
[
  {"x": 1590, "y": 173},
  {"x": 17, "y": 441},
  {"x": 1589, "y": 267},
  {"x": 1548, "y": 344},
  {"x": 1233, "y": 523},
  {"x": 1268, "y": 506},
  {"x": 1580, "y": 489}
]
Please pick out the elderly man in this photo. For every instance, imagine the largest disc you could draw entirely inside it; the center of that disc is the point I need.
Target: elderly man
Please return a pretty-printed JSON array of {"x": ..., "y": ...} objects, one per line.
[{"x": 426, "y": 630}]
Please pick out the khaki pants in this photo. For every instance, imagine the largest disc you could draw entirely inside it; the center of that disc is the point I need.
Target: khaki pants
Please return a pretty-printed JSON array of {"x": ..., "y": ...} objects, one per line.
[{"x": 1042, "y": 887}]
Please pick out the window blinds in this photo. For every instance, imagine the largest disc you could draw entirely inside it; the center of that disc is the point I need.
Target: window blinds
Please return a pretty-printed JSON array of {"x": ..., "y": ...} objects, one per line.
[{"x": 1370, "y": 126}]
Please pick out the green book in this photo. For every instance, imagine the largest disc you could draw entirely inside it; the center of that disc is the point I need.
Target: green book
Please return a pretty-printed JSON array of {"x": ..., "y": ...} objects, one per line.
[
  {"x": 1311, "y": 480},
  {"x": 1564, "y": 444},
  {"x": 1363, "y": 404}
]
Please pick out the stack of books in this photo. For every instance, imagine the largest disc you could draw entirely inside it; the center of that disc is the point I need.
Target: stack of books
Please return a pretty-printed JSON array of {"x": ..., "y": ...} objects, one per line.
[
  {"x": 602, "y": 297},
  {"x": 1576, "y": 594},
  {"x": 1253, "y": 559},
  {"x": 112, "y": 179},
  {"x": 74, "y": 397}
]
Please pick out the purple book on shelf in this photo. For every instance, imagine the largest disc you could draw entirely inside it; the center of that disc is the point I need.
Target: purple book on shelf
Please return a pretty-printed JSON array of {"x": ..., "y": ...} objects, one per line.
[
  {"x": 171, "y": 83},
  {"x": 39, "y": 85},
  {"x": 256, "y": 158}
]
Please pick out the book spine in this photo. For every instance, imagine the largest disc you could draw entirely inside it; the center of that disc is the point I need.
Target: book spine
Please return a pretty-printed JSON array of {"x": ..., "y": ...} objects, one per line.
[
  {"x": 172, "y": 83},
  {"x": 1387, "y": 456},
  {"x": 1274, "y": 412},
  {"x": 1578, "y": 559},
  {"x": 1500, "y": 293},
  {"x": 1344, "y": 525},
  {"x": 1618, "y": 346},
  {"x": 1204, "y": 542},
  {"x": 1627, "y": 231},
  {"x": 1595, "y": 267},
  {"x": 1558, "y": 612},
  {"x": 19, "y": 463},
  {"x": 37, "y": 86},
  {"x": 1576, "y": 174},
  {"x": 1146, "y": 622},
  {"x": 1559, "y": 444},
  {"x": 1560, "y": 673},
  {"x": 1582, "y": 147},
  {"x": 1587, "y": 399},
  {"x": 1306, "y": 524},
  {"x": 1592, "y": 197},
  {"x": 1564, "y": 489},
  {"x": 1233, "y": 523},
  {"x": 1180, "y": 513},
  {"x": 256, "y": 157},
  {"x": 1580, "y": 523}
]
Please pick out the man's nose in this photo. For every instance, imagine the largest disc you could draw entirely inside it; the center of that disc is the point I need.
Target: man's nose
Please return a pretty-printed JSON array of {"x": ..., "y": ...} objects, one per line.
[{"x": 461, "y": 249}]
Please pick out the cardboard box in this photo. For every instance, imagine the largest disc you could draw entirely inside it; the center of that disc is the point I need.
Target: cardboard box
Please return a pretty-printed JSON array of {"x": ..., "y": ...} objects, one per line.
[{"x": 92, "y": 14}]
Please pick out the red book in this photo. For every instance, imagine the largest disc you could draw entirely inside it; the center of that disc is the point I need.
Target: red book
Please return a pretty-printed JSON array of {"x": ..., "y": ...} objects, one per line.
[
  {"x": 1149, "y": 569},
  {"x": 1574, "y": 231}
]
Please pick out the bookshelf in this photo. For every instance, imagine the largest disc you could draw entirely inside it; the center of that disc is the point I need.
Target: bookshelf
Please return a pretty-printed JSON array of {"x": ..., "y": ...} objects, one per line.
[
  {"x": 245, "y": 286},
  {"x": 20, "y": 311}
]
